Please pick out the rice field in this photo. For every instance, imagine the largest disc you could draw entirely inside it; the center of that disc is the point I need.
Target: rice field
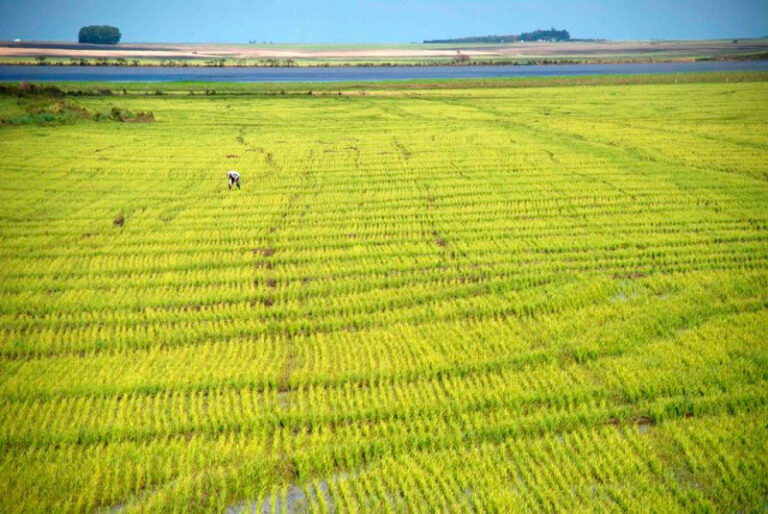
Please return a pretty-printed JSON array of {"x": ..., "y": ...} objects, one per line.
[{"x": 452, "y": 300}]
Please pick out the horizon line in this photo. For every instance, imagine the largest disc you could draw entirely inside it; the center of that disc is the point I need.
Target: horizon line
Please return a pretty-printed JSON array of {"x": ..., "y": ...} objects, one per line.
[{"x": 275, "y": 43}]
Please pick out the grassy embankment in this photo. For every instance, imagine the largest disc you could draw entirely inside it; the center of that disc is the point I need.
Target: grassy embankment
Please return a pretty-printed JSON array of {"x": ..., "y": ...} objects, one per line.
[
  {"x": 388, "y": 87},
  {"x": 435, "y": 299}
]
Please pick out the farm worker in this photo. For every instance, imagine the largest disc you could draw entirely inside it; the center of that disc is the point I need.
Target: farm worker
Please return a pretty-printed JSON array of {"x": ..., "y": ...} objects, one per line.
[{"x": 234, "y": 178}]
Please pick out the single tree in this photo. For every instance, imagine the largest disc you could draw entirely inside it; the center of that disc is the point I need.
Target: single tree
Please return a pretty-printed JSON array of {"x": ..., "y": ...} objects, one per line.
[{"x": 460, "y": 57}]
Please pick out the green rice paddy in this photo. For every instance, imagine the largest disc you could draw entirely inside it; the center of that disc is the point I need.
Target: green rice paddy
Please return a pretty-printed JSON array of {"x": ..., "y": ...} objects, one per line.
[{"x": 475, "y": 299}]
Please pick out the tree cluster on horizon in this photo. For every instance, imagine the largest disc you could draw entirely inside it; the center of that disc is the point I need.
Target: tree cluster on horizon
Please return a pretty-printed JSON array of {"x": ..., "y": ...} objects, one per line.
[
  {"x": 99, "y": 35},
  {"x": 537, "y": 35}
]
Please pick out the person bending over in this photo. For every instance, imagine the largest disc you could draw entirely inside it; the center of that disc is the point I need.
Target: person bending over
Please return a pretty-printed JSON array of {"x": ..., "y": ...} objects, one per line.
[{"x": 234, "y": 178}]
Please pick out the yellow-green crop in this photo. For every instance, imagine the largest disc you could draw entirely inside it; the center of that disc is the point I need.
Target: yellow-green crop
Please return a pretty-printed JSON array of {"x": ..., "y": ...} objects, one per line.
[{"x": 475, "y": 300}]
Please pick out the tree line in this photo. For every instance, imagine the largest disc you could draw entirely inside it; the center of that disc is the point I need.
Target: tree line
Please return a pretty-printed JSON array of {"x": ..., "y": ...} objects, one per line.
[{"x": 537, "y": 35}]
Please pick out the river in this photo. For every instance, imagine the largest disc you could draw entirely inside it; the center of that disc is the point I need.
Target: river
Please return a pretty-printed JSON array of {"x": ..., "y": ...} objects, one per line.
[{"x": 353, "y": 74}]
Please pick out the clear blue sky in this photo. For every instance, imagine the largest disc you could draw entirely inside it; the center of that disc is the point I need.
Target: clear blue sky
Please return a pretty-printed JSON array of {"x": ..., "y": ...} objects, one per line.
[{"x": 374, "y": 21}]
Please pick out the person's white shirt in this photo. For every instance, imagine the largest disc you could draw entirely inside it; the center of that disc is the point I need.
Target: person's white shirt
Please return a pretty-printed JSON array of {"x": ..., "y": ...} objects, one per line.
[{"x": 233, "y": 177}]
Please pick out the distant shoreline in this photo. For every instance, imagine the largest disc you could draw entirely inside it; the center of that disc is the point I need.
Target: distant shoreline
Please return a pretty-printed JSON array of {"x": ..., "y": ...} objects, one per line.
[{"x": 538, "y": 62}]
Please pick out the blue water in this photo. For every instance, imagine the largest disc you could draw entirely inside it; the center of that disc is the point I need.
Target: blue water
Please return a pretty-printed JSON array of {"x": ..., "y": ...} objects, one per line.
[{"x": 352, "y": 74}]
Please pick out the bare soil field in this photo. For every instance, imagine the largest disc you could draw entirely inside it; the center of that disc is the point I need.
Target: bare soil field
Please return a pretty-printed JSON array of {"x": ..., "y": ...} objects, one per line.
[
  {"x": 616, "y": 51},
  {"x": 192, "y": 51}
]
